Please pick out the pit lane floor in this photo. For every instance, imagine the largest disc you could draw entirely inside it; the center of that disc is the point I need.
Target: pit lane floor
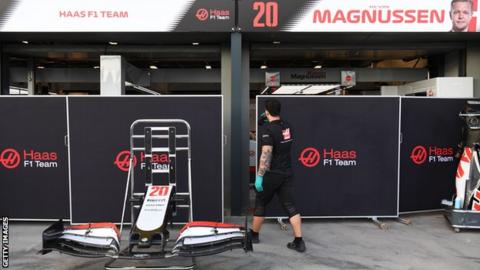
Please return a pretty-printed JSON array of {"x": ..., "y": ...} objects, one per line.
[{"x": 428, "y": 243}]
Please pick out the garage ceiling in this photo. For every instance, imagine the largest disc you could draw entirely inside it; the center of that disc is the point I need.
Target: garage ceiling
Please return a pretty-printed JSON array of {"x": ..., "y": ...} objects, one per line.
[{"x": 175, "y": 50}]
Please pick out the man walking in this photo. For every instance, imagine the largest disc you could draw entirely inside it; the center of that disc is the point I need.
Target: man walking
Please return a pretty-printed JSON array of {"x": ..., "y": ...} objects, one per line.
[{"x": 275, "y": 174}]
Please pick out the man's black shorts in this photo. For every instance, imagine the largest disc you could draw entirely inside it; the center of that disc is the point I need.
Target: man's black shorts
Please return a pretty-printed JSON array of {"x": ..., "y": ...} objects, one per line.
[{"x": 279, "y": 184}]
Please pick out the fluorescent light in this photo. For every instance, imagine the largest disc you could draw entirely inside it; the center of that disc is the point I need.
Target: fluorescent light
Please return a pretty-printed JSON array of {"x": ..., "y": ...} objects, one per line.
[
  {"x": 276, "y": 42},
  {"x": 263, "y": 67},
  {"x": 96, "y": 67},
  {"x": 317, "y": 67},
  {"x": 195, "y": 43},
  {"x": 40, "y": 67},
  {"x": 208, "y": 67},
  {"x": 153, "y": 67},
  {"x": 25, "y": 41},
  {"x": 113, "y": 43}
]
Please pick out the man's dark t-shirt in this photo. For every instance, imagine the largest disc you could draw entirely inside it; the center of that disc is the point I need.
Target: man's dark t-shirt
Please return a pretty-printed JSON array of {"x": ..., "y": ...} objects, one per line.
[{"x": 278, "y": 134}]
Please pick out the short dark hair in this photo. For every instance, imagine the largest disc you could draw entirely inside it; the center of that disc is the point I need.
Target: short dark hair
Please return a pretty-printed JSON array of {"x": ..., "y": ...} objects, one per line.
[
  {"x": 464, "y": 1},
  {"x": 273, "y": 107}
]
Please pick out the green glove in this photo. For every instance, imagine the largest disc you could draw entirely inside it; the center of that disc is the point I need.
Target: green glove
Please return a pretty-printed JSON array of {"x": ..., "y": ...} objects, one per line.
[
  {"x": 262, "y": 119},
  {"x": 259, "y": 183}
]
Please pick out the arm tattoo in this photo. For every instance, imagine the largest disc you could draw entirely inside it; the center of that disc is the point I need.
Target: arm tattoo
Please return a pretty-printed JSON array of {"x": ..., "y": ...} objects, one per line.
[{"x": 265, "y": 159}]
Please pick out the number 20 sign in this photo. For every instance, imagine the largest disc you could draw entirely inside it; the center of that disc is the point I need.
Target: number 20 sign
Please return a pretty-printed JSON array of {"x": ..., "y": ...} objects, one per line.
[{"x": 267, "y": 14}]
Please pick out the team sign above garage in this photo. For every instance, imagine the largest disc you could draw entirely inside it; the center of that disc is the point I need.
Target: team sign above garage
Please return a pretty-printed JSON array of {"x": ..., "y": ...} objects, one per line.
[
  {"x": 253, "y": 15},
  {"x": 116, "y": 15},
  {"x": 359, "y": 15}
]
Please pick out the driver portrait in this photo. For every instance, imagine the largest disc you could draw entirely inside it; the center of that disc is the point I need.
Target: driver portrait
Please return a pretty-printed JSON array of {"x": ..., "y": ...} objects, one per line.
[{"x": 461, "y": 12}]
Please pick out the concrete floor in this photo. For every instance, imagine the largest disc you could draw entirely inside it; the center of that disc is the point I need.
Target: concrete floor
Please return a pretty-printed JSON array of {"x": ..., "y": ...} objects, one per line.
[{"x": 428, "y": 243}]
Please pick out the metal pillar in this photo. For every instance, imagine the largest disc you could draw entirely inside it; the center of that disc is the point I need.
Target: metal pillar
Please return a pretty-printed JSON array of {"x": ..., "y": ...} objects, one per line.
[
  {"x": 244, "y": 134},
  {"x": 31, "y": 77},
  {"x": 462, "y": 60},
  {"x": 226, "y": 84},
  {"x": 4, "y": 74},
  {"x": 239, "y": 102}
]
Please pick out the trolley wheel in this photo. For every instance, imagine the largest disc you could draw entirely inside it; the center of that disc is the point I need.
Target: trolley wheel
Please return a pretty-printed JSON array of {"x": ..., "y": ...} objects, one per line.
[
  {"x": 457, "y": 230},
  {"x": 405, "y": 221},
  {"x": 283, "y": 226},
  {"x": 382, "y": 225}
]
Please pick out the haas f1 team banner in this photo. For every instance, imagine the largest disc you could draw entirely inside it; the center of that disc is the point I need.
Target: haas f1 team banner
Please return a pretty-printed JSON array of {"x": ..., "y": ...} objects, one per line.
[
  {"x": 344, "y": 155},
  {"x": 99, "y": 150},
  {"x": 116, "y": 15},
  {"x": 33, "y": 158},
  {"x": 431, "y": 131},
  {"x": 359, "y": 15}
]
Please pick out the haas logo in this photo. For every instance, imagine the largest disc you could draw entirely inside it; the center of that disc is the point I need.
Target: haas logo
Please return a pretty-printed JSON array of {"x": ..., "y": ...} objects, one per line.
[
  {"x": 123, "y": 161},
  {"x": 419, "y": 155},
  {"x": 10, "y": 158},
  {"x": 286, "y": 134},
  {"x": 202, "y": 14},
  {"x": 310, "y": 157}
]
